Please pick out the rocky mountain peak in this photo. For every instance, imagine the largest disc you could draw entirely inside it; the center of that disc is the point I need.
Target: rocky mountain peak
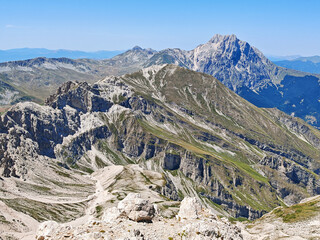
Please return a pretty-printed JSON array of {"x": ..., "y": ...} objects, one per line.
[
  {"x": 137, "y": 48},
  {"x": 231, "y": 47},
  {"x": 222, "y": 38},
  {"x": 140, "y": 50},
  {"x": 134, "y": 57},
  {"x": 232, "y": 61}
]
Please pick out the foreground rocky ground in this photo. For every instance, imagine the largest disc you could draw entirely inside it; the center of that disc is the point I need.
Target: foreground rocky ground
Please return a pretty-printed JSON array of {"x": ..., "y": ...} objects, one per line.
[
  {"x": 143, "y": 213},
  {"x": 136, "y": 218}
]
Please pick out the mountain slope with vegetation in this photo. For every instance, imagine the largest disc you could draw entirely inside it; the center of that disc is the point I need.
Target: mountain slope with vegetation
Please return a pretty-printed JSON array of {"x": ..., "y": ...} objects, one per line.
[
  {"x": 203, "y": 139},
  {"x": 238, "y": 65},
  {"x": 36, "y": 79}
]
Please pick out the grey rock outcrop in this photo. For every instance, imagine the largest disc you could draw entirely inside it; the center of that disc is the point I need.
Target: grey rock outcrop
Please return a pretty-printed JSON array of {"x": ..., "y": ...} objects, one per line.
[
  {"x": 132, "y": 207},
  {"x": 136, "y": 208},
  {"x": 112, "y": 214}
]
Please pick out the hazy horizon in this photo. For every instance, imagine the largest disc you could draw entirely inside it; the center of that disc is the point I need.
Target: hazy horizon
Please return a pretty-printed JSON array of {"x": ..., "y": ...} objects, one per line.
[
  {"x": 123, "y": 50},
  {"x": 280, "y": 28}
]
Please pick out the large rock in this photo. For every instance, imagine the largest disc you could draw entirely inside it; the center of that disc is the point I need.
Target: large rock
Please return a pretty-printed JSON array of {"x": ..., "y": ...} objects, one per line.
[
  {"x": 136, "y": 208},
  {"x": 190, "y": 208}
]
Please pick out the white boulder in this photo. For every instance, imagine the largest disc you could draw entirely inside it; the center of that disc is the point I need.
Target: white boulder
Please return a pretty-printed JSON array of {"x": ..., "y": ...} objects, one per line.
[{"x": 190, "y": 208}]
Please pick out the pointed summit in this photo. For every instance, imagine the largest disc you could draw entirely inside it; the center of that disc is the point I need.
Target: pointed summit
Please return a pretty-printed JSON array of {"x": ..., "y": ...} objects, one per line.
[{"x": 232, "y": 61}]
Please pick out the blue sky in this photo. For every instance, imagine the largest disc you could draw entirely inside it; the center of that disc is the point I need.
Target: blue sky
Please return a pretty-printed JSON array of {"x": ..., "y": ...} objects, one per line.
[{"x": 282, "y": 27}]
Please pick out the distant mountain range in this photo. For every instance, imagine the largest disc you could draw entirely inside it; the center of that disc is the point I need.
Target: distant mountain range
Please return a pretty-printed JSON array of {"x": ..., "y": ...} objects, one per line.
[
  {"x": 238, "y": 65},
  {"x": 29, "y": 53},
  {"x": 281, "y": 58},
  {"x": 305, "y": 64}
]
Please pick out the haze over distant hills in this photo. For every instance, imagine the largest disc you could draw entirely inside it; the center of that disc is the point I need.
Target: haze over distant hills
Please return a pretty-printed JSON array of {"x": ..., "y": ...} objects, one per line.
[
  {"x": 305, "y": 64},
  {"x": 281, "y": 58},
  {"x": 28, "y": 53}
]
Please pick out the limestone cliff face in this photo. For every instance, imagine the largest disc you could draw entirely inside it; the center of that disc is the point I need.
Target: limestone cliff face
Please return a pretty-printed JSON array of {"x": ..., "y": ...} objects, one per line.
[
  {"x": 282, "y": 171},
  {"x": 205, "y": 140}
]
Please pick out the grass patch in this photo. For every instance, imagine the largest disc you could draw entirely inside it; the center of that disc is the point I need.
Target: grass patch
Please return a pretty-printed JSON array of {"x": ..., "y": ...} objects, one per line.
[
  {"x": 33, "y": 187},
  {"x": 298, "y": 212},
  {"x": 239, "y": 219},
  {"x": 99, "y": 210},
  {"x": 82, "y": 168},
  {"x": 3, "y": 220},
  {"x": 63, "y": 174},
  {"x": 47, "y": 211},
  {"x": 99, "y": 162},
  {"x": 180, "y": 194},
  {"x": 115, "y": 157}
]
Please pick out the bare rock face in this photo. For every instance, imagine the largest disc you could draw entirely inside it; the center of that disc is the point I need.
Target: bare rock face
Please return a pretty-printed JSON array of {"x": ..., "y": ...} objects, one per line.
[
  {"x": 190, "y": 208},
  {"x": 136, "y": 208}
]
